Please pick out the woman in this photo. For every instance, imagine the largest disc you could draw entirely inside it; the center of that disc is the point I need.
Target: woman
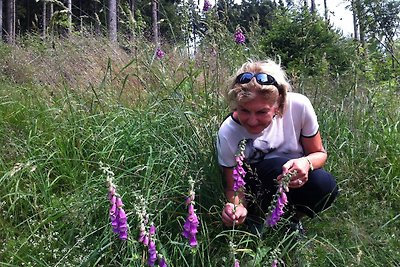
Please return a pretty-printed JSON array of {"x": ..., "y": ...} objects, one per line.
[{"x": 282, "y": 135}]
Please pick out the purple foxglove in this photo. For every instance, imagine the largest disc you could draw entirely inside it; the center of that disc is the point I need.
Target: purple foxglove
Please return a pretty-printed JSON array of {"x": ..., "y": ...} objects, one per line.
[
  {"x": 159, "y": 53},
  {"x": 274, "y": 217},
  {"x": 152, "y": 230},
  {"x": 152, "y": 253},
  {"x": 162, "y": 262},
  {"x": 206, "y": 6},
  {"x": 190, "y": 226},
  {"x": 237, "y": 263},
  {"x": 192, "y": 241},
  {"x": 146, "y": 240},
  {"x": 239, "y": 36}
]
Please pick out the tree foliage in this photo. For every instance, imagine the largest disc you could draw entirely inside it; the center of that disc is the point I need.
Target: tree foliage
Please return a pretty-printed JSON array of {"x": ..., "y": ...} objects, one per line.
[{"x": 305, "y": 42}]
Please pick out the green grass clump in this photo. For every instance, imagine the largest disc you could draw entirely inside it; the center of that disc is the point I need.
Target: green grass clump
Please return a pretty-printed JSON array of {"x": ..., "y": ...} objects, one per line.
[{"x": 153, "y": 123}]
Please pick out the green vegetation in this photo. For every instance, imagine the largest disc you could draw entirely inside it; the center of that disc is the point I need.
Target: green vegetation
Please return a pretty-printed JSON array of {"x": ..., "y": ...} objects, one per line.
[{"x": 69, "y": 107}]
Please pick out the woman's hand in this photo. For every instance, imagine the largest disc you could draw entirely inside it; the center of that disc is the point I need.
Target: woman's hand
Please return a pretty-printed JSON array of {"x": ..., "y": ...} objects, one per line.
[
  {"x": 301, "y": 166},
  {"x": 233, "y": 214}
]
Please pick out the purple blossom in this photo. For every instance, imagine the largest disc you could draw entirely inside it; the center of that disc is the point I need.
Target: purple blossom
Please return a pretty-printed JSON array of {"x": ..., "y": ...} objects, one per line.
[
  {"x": 142, "y": 234},
  {"x": 239, "y": 36},
  {"x": 274, "y": 217},
  {"x": 117, "y": 214},
  {"x": 238, "y": 172},
  {"x": 274, "y": 263},
  {"x": 206, "y": 6},
  {"x": 162, "y": 262},
  {"x": 190, "y": 226},
  {"x": 237, "y": 263},
  {"x": 159, "y": 53},
  {"x": 152, "y": 230},
  {"x": 152, "y": 253}
]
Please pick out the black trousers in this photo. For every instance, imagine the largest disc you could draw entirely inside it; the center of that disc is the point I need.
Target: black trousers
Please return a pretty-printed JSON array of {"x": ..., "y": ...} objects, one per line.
[{"x": 315, "y": 195}]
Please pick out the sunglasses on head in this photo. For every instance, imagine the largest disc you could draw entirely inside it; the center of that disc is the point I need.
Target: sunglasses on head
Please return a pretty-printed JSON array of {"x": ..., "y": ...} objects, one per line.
[{"x": 261, "y": 78}]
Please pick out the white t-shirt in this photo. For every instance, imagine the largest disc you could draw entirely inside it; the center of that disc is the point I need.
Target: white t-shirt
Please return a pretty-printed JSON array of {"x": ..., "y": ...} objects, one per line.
[{"x": 280, "y": 138}]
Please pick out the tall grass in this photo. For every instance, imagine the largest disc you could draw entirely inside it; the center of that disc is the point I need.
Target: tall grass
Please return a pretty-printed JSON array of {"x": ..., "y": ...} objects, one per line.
[{"x": 153, "y": 123}]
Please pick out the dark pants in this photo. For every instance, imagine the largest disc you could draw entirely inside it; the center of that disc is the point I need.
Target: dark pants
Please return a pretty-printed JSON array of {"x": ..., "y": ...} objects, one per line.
[{"x": 315, "y": 195}]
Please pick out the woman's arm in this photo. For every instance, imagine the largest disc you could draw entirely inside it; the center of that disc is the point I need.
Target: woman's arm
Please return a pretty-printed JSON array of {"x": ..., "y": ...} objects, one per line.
[{"x": 315, "y": 157}]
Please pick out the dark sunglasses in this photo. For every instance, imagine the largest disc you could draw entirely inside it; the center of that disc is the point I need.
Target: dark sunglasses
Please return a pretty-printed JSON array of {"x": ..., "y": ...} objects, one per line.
[{"x": 261, "y": 78}]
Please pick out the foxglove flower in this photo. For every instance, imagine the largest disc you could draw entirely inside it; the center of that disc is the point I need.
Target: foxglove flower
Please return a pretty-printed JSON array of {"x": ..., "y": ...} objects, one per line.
[
  {"x": 280, "y": 203},
  {"x": 162, "y": 262},
  {"x": 238, "y": 172},
  {"x": 274, "y": 263},
  {"x": 206, "y": 6},
  {"x": 159, "y": 53},
  {"x": 152, "y": 253},
  {"x": 237, "y": 263},
  {"x": 117, "y": 213},
  {"x": 190, "y": 226},
  {"x": 239, "y": 36},
  {"x": 278, "y": 211}
]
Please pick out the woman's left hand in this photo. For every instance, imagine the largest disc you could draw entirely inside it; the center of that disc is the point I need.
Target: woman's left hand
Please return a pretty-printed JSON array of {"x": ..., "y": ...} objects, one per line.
[{"x": 301, "y": 166}]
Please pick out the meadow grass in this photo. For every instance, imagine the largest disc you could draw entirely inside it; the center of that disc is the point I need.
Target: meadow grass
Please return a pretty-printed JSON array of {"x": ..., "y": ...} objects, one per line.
[{"x": 153, "y": 123}]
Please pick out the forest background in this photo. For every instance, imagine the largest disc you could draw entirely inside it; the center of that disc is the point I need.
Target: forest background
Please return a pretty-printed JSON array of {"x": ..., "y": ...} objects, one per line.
[{"x": 132, "y": 91}]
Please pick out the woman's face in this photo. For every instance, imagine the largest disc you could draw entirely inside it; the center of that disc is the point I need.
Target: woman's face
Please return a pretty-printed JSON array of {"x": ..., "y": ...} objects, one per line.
[{"x": 255, "y": 115}]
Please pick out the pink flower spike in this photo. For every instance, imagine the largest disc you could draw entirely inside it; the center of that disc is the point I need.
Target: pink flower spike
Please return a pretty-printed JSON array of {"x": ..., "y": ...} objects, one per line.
[
  {"x": 122, "y": 218},
  {"x": 123, "y": 236},
  {"x": 162, "y": 262},
  {"x": 142, "y": 234},
  {"x": 192, "y": 241},
  {"x": 206, "y": 6},
  {"x": 119, "y": 202},
  {"x": 159, "y": 53},
  {"x": 113, "y": 211},
  {"x": 152, "y": 229},
  {"x": 237, "y": 263},
  {"x": 146, "y": 240}
]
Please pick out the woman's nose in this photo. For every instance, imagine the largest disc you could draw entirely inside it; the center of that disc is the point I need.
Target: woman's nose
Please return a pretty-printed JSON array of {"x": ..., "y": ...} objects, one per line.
[{"x": 252, "y": 120}]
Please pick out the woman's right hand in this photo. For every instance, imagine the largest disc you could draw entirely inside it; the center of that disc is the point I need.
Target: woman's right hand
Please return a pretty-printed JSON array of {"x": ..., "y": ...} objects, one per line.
[{"x": 233, "y": 214}]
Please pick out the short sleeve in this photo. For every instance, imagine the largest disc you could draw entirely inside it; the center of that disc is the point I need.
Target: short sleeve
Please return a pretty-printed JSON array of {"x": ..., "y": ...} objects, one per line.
[
  {"x": 310, "y": 124},
  {"x": 226, "y": 157}
]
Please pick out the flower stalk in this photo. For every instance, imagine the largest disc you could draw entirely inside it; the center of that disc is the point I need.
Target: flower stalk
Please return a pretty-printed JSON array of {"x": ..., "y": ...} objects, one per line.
[
  {"x": 117, "y": 213},
  {"x": 190, "y": 228},
  {"x": 277, "y": 208}
]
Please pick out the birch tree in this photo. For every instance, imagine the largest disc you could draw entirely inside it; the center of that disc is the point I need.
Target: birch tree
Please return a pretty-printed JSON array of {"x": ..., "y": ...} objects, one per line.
[
  {"x": 132, "y": 18},
  {"x": 112, "y": 20},
  {"x": 154, "y": 14},
  {"x": 10, "y": 21},
  {"x": 1, "y": 20},
  {"x": 69, "y": 6},
  {"x": 326, "y": 11},
  {"x": 44, "y": 19},
  {"x": 313, "y": 8}
]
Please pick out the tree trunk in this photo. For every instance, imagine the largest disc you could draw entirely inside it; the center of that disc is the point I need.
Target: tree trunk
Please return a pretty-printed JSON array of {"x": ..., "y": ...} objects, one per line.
[
  {"x": 313, "y": 8},
  {"x": 44, "y": 19},
  {"x": 132, "y": 10},
  {"x": 132, "y": 7},
  {"x": 69, "y": 17},
  {"x": 112, "y": 20},
  {"x": 361, "y": 17},
  {"x": 1, "y": 20},
  {"x": 11, "y": 21},
  {"x": 154, "y": 13},
  {"x": 355, "y": 20},
  {"x": 326, "y": 11}
]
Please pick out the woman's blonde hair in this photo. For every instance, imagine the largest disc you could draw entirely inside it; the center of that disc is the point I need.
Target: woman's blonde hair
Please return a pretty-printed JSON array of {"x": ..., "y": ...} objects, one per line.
[{"x": 245, "y": 92}]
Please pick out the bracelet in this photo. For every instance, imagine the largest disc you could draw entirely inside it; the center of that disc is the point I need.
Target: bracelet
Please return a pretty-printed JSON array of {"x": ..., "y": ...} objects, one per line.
[{"x": 310, "y": 163}]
